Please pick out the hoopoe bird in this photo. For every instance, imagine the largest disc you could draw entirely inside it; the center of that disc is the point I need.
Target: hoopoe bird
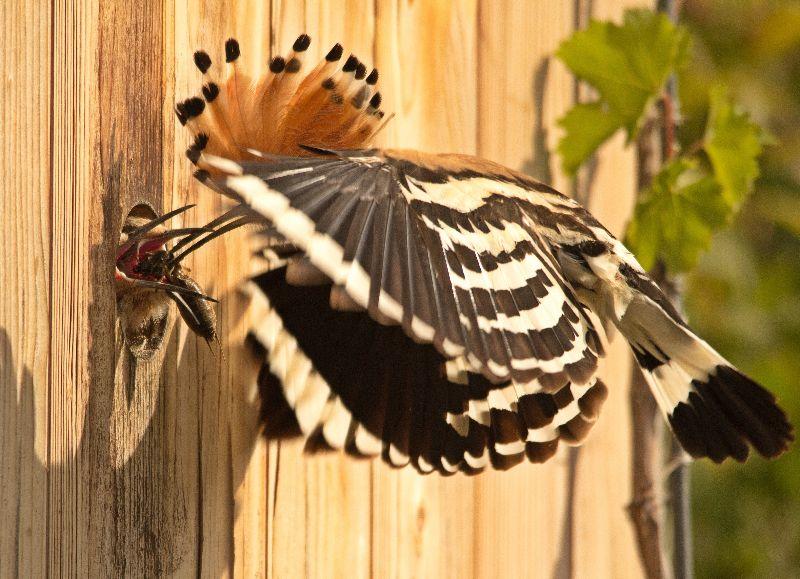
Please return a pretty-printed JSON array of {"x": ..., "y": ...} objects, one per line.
[{"x": 439, "y": 310}]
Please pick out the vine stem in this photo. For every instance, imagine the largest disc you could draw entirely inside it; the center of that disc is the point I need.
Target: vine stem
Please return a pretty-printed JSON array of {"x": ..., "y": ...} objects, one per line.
[
  {"x": 657, "y": 145},
  {"x": 678, "y": 481},
  {"x": 668, "y": 126},
  {"x": 643, "y": 509}
]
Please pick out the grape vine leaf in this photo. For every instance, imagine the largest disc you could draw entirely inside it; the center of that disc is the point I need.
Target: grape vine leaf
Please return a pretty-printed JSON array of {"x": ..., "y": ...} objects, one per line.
[
  {"x": 676, "y": 216},
  {"x": 628, "y": 65},
  {"x": 733, "y": 143},
  {"x": 587, "y": 126}
]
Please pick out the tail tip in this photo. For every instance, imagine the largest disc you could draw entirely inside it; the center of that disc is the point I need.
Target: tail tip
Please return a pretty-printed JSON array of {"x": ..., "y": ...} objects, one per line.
[{"x": 725, "y": 415}]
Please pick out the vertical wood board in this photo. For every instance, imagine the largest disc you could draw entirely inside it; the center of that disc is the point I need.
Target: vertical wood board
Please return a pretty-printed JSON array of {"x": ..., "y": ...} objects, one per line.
[{"x": 110, "y": 467}]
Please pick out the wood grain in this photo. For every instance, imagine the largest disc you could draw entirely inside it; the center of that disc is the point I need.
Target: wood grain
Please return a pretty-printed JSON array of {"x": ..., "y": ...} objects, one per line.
[
  {"x": 114, "y": 468},
  {"x": 604, "y": 540},
  {"x": 25, "y": 235},
  {"x": 426, "y": 52},
  {"x": 75, "y": 200},
  {"x": 519, "y": 101}
]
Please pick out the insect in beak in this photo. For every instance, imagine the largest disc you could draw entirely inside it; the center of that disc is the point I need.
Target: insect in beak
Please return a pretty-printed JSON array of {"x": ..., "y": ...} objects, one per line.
[{"x": 149, "y": 274}]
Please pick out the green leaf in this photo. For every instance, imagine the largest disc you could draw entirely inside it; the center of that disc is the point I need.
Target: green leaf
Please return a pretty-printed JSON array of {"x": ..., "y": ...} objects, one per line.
[
  {"x": 586, "y": 126},
  {"x": 733, "y": 143},
  {"x": 628, "y": 65},
  {"x": 675, "y": 218}
]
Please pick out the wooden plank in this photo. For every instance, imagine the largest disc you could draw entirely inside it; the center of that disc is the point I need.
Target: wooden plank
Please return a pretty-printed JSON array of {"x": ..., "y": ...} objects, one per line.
[
  {"x": 604, "y": 541},
  {"x": 320, "y": 513},
  {"x": 339, "y": 489},
  {"x": 426, "y": 53},
  {"x": 128, "y": 506},
  {"x": 222, "y": 447},
  {"x": 220, "y": 425},
  {"x": 157, "y": 448},
  {"x": 110, "y": 467},
  {"x": 25, "y": 163},
  {"x": 349, "y": 22},
  {"x": 598, "y": 487},
  {"x": 427, "y": 56},
  {"x": 524, "y": 518},
  {"x": 251, "y": 551},
  {"x": 288, "y": 474},
  {"x": 524, "y": 89},
  {"x": 75, "y": 197}
]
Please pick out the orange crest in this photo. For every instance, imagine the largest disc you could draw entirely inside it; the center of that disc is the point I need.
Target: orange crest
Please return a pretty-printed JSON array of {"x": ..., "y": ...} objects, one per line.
[{"x": 334, "y": 106}]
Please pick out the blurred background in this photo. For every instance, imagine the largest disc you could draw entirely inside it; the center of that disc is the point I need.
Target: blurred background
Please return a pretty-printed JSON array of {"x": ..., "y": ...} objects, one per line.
[{"x": 744, "y": 297}]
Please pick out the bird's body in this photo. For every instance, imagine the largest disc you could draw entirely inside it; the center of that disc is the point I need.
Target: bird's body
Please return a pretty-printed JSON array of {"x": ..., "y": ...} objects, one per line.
[{"x": 443, "y": 310}]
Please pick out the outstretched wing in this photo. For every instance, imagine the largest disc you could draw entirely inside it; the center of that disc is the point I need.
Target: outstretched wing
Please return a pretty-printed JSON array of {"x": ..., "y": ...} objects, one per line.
[
  {"x": 440, "y": 245},
  {"x": 346, "y": 382}
]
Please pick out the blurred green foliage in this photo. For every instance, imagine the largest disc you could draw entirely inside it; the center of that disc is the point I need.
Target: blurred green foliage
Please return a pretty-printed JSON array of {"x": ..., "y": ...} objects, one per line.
[{"x": 744, "y": 296}]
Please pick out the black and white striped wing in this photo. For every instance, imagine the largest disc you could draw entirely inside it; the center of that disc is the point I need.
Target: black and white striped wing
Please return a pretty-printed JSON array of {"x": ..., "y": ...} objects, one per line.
[
  {"x": 454, "y": 264},
  {"x": 346, "y": 382}
]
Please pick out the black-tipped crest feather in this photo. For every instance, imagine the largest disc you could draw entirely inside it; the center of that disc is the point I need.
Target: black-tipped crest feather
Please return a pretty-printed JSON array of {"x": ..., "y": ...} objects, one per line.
[
  {"x": 232, "y": 51},
  {"x": 335, "y": 53},
  {"x": 202, "y": 61}
]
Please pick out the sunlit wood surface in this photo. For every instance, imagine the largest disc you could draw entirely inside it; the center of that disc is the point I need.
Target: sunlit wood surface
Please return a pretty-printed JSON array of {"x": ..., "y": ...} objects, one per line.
[{"x": 109, "y": 468}]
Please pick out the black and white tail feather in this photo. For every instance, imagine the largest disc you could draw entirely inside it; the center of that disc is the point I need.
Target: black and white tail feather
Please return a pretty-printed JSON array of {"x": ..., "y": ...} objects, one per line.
[{"x": 435, "y": 309}]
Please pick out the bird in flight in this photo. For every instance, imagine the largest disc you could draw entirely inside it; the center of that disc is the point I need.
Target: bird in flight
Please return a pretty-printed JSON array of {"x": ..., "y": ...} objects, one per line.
[{"x": 438, "y": 310}]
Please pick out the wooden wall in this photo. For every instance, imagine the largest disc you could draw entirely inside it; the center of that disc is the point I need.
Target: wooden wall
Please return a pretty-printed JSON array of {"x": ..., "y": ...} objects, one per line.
[{"x": 109, "y": 468}]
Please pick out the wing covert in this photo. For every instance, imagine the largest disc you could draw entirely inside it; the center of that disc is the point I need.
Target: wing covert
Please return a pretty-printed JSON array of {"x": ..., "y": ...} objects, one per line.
[{"x": 447, "y": 255}]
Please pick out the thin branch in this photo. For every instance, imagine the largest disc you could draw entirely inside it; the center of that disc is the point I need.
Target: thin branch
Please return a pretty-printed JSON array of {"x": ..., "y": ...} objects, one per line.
[
  {"x": 678, "y": 480},
  {"x": 679, "y": 494},
  {"x": 643, "y": 509},
  {"x": 657, "y": 145},
  {"x": 669, "y": 145}
]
